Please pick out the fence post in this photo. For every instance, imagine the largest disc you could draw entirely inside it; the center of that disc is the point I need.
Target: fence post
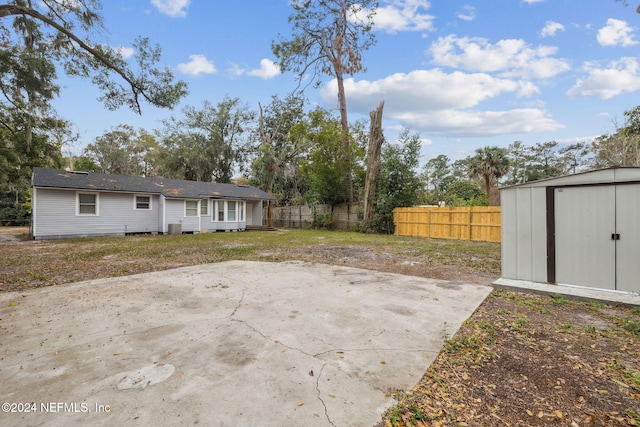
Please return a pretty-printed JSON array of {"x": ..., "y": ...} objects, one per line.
[{"x": 470, "y": 222}]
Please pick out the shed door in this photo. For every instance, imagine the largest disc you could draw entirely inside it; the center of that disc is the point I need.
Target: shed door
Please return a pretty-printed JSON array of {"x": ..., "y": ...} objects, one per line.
[
  {"x": 628, "y": 247},
  {"x": 585, "y": 219}
]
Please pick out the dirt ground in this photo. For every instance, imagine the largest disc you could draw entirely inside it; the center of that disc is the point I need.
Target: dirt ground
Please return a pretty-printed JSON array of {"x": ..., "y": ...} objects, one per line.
[{"x": 520, "y": 360}]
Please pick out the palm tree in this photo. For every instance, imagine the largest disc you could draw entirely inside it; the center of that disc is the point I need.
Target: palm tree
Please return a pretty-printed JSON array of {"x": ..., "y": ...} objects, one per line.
[{"x": 490, "y": 164}]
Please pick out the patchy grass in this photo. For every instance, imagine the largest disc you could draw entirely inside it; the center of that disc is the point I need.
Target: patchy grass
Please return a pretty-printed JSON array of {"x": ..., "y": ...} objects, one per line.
[{"x": 71, "y": 260}]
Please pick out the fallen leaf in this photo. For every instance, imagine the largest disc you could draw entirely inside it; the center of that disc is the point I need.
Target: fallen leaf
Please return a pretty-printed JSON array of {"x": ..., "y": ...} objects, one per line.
[
  {"x": 559, "y": 414},
  {"x": 382, "y": 362},
  {"x": 529, "y": 413},
  {"x": 299, "y": 403},
  {"x": 620, "y": 383},
  {"x": 333, "y": 396},
  {"x": 311, "y": 373},
  {"x": 540, "y": 414}
]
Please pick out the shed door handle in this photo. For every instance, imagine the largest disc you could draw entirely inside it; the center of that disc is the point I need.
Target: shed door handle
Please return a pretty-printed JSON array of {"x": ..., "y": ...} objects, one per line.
[{"x": 615, "y": 236}]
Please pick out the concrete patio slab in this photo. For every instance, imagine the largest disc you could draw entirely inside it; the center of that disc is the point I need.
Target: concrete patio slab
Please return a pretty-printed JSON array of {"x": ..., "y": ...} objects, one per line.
[{"x": 227, "y": 344}]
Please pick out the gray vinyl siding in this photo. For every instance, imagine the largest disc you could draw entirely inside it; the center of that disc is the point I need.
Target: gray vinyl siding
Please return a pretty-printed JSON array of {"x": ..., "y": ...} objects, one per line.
[
  {"x": 175, "y": 214},
  {"x": 256, "y": 212},
  {"x": 56, "y": 215}
]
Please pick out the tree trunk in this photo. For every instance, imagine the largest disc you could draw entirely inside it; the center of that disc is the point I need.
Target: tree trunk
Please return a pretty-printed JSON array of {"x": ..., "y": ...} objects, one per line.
[
  {"x": 376, "y": 138},
  {"x": 342, "y": 102}
]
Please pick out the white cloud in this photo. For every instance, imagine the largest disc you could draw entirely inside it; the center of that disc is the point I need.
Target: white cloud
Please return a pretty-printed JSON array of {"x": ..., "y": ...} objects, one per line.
[
  {"x": 551, "y": 28},
  {"x": 511, "y": 57},
  {"x": 467, "y": 13},
  {"x": 173, "y": 8},
  {"x": 126, "y": 52},
  {"x": 441, "y": 103},
  {"x": 421, "y": 90},
  {"x": 482, "y": 123},
  {"x": 234, "y": 70},
  {"x": 617, "y": 78},
  {"x": 532, "y": 1},
  {"x": 616, "y": 33},
  {"x": 199, "y": 64},
  {"x": 403, "y": 15},
  {"x": 268, "y": 70}
]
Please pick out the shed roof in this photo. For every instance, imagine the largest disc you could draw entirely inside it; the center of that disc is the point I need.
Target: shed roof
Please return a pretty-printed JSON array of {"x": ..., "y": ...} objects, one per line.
[
  {"x": 170, "y": 188},
  {"x": 610, "y": 175}
]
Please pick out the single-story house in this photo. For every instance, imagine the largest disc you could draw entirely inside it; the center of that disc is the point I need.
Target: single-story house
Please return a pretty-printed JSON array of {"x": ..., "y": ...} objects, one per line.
[
  {"x": 74, "y": 204},
  {"x": 580, "y": 230}
]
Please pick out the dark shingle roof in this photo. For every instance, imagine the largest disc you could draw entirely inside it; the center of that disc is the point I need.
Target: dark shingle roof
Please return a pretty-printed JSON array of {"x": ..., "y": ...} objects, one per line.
[{"x": 170, "y": 188}]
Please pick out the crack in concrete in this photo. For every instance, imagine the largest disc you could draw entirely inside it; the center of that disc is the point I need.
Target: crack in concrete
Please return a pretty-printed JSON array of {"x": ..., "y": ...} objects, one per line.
[
  {"x": 401, "y": 350},
  {"x": 240, "y": 301},
  {"x": 326, "y": 410},
  {"x": 254, "y": 329}
]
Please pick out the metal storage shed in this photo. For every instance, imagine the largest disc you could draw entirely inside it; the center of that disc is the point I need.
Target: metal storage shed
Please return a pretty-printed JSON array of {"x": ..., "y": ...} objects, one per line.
[{"x": 581, "y": 230}]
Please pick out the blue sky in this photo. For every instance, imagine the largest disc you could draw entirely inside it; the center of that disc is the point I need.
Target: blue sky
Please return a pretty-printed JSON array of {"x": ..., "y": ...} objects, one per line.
[{"x": 464, "y": 74}]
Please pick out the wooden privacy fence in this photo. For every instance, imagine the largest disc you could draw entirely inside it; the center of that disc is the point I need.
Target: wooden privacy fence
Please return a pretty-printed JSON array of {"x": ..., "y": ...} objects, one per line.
[
  {"x": 345, "y": 216},
  {"x": 481, "y": 223}
]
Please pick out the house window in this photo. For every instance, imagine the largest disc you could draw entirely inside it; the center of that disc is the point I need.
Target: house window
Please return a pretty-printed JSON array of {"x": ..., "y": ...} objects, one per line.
[
  {"x": 241, "y": 210},
  {"x": 204, "y": 208},
  {"x": 231, "y": 211},
  {"x": 190, "y": 208},
  {"x": 220, "y": 210},
  {"x": 87, "y": 204},
  {"x": 143, "y": 202}
]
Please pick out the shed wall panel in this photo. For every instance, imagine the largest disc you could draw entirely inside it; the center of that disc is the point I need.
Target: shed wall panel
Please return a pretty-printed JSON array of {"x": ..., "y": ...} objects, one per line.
[
  {"x": 539, "y": 235},
  {"x": 509, "y": 234},
  {"x": 628, "y": 247},
  {"x": 524, "y": 237}
]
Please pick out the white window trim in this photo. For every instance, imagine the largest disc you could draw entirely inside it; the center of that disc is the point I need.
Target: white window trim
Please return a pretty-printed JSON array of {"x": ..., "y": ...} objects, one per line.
[
  {"x": 197, "y": 215},
  {"x": 235, "y": 211},
  {"x": 216, "y": 208},
  {"x": 241, "y": 210},
  {"x": 135, "y": 202},
  {"x": 97, "y": 212}
]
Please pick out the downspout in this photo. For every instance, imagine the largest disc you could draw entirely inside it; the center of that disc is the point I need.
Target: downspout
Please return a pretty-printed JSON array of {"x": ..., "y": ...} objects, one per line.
[
  {"x": 164, "y": 207},
  {"x": 32, "y": 225}
]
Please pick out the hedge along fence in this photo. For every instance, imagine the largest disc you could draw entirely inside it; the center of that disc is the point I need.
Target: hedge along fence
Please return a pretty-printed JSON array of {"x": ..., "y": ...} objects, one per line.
[
  {"x": 344, "y": 216},
  {"x": 480, "y": 223}
]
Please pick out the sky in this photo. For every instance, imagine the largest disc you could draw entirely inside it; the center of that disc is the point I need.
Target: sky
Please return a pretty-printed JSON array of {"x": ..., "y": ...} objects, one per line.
[{"x": 462, "y": 74}]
